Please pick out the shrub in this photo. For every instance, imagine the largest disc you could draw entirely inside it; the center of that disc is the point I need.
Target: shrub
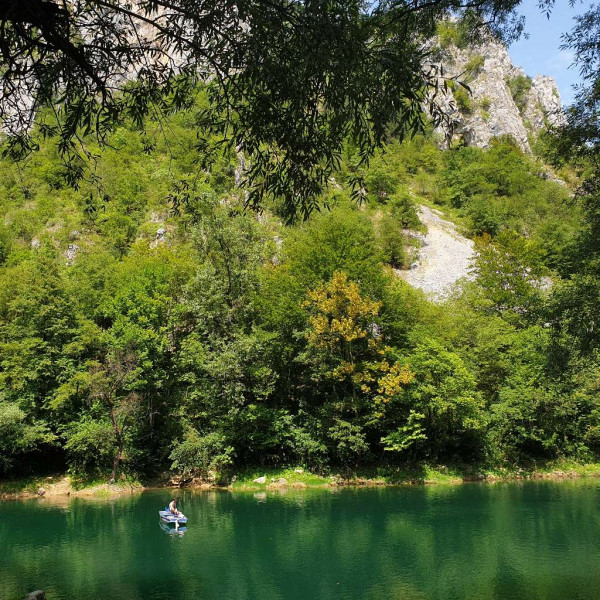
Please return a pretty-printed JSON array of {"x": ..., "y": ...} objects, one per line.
[
  {"x": 403, "y": 210},
  {"x": 381, "y": 184},
  {"x": 17, "y": 437},
  {"x": 306, "y": 444},
  {"x": 452, "y": 34},
  {"x": 90, "y": 447},
  {"x": 484, "y": 215},
  {"x": 392, "y": 241},
  {"x": 463, "y": 100},
  {"x": 519, "y": 87},
  {"x": 474, "y": 64},
  {"x": 445, "y": 390},
  {"x": 348, "y": 442}
]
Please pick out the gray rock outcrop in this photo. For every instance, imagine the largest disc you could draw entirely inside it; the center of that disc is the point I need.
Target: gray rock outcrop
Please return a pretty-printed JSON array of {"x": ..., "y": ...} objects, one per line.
[
  {"x": 503, "y": 99},
  {"x": 543, "y": 104},
  {"x": 71, "y": 253}
]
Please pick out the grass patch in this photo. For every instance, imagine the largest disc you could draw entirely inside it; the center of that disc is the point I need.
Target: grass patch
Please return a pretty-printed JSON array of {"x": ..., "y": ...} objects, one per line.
[
  {"x": 245, "y": 479},
  {"x": 424, "y": 473},
  {"x": 463, "y": 100},
  {"x": 82, "y": 483},
  {"x": 410, "y": 474},
  {"x": 22, "y": 485},
  {"x": 381, "y": 475},
  {"x": 557, "y": 467},
  {"x": 519, "y": 87}
]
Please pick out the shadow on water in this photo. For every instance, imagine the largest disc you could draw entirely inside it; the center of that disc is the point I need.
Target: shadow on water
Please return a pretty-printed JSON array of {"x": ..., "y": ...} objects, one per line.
[{"x": 523, "y": 541}]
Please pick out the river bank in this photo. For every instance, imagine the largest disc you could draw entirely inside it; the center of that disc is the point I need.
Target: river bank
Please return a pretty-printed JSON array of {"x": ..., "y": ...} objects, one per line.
[
  {"x": 266, "y": 479},
  {"x": 63, "y": 486}
]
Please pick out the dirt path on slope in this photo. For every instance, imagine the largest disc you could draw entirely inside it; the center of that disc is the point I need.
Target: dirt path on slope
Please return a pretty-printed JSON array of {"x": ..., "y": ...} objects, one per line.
[{"x": 444, "y": 258}]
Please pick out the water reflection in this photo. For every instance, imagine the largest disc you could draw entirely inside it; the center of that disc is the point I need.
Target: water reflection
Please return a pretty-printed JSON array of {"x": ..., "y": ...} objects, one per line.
[
  {"x": 180, "y": 531},
  {"x": 475, "y": 542}
]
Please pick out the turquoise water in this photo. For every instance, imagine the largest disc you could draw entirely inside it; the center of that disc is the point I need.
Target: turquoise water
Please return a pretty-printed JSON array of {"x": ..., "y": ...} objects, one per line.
[{"x": 529, "y": 541}]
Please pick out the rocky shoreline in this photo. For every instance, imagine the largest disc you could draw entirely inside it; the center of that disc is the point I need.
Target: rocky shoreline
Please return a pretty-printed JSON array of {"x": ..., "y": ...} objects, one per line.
[
  {"x": 60, "y": 488},
  {"x": 63, "y": 487}
]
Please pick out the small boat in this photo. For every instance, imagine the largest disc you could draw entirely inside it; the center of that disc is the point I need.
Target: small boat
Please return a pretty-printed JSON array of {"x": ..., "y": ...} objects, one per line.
[{"x": 166, "y": 516}]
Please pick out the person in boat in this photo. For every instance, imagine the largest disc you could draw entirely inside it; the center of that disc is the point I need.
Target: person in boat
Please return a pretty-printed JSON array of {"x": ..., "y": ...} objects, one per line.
[{"x": 173, "y": 507}]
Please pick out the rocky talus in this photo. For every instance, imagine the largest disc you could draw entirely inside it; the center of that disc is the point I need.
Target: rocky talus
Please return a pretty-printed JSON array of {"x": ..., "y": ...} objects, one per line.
[{"x": 444, "y": 257}]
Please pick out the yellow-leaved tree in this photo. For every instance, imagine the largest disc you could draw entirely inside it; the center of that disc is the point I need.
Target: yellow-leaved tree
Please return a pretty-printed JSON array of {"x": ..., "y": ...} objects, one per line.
[{"x": 353, "y": 371}]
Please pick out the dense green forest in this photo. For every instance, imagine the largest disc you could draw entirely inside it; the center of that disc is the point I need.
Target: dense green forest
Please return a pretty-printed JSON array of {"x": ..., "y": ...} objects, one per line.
[{"x": 149, "y": 322}]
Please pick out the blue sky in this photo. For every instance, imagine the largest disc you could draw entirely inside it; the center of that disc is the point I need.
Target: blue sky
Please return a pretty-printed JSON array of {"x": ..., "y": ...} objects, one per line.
[{"x": 540, "y": 53}]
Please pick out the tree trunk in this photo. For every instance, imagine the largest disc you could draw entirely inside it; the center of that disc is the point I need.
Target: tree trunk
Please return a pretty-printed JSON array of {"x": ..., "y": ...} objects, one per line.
[
  {"x": 118, "y": 455},
  {"x": 119, "y": 439}
]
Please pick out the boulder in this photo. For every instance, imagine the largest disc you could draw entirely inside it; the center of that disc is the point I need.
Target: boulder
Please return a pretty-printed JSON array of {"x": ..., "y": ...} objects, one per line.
[
  {"x": 261, "y": 480},
  {"x": 37, "y": 595},
  {"x": 71, "y": 253},
  {"x": 159, "y": 238},
  {"x": 298, "y": 470},
  {"x": 279, "y": 484},
  {"x": 41, "y": 491}
]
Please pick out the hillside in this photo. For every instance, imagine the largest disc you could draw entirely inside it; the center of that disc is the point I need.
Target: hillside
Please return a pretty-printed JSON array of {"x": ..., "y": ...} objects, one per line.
[{"x": 149, "y": 322}]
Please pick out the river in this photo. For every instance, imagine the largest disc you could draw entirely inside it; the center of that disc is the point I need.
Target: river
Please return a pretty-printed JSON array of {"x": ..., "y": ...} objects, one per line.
[{"x": 506, "y": 541}]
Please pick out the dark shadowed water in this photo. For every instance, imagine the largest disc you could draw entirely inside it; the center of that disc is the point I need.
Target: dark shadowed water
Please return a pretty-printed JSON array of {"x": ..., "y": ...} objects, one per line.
[{"x": 530, "y": 541}]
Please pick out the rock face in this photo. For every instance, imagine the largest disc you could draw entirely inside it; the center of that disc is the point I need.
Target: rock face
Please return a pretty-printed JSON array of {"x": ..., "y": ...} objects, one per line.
[{"x": 503, "y": 99}]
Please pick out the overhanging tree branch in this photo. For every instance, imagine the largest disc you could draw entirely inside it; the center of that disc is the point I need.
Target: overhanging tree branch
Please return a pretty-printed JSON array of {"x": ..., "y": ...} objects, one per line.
[{"x": 289, "y": 80}]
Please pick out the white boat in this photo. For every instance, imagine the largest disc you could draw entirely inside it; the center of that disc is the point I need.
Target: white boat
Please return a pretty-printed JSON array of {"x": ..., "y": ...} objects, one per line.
[{"x": 166, "y": 516}]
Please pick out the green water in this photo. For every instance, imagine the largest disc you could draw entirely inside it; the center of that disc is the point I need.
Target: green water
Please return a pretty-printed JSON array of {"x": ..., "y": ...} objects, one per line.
[{"x": 531, "y": 541}]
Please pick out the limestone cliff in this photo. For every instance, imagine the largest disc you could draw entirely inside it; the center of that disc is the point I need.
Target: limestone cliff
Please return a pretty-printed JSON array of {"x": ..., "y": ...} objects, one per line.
[{"x": 502, "y": 99}]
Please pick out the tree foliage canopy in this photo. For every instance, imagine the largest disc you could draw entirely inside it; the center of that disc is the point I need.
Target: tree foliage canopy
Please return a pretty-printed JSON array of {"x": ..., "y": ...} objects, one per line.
[{"x": 135, "y": 338}]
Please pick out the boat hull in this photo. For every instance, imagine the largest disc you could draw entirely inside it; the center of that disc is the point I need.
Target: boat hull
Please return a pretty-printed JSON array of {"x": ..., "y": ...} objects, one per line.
[{"x": 171, "y": 519}]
